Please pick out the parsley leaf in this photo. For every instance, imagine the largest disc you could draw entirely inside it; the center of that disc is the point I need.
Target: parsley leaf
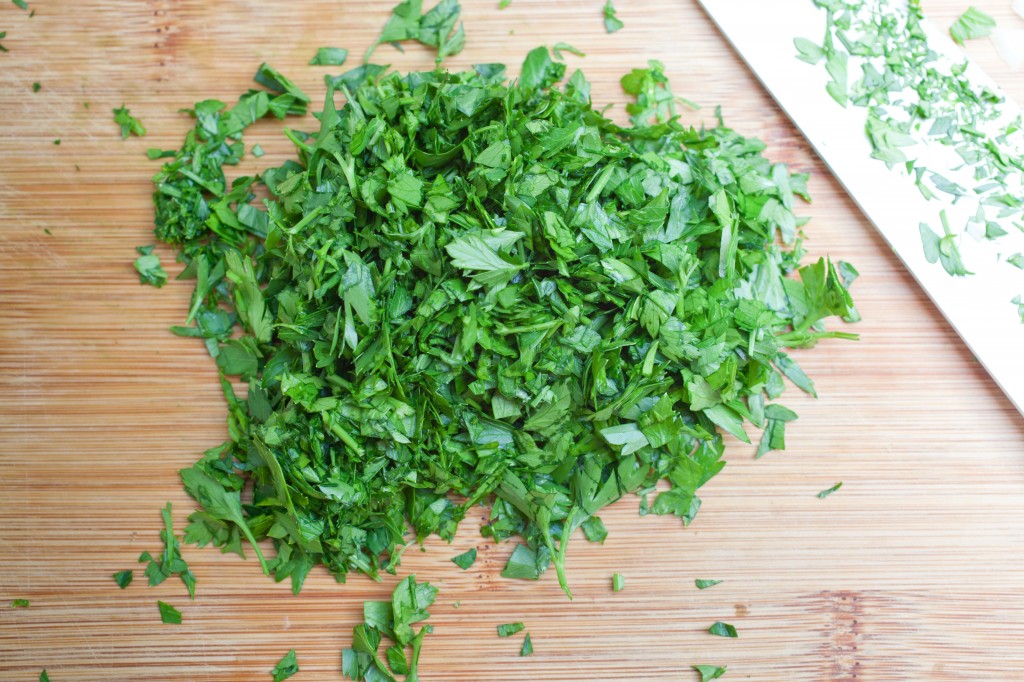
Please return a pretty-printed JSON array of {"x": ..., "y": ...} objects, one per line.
[
  {"x": 611, "y": 22},
  {"x": 124, "y": 578},
  {"x": 43, "y": 676},
  {"x": 465, "y": 560},
  {"x": 527, "y": 647},
  {"x": 618, "y": 582},
  {"x": 705, "y": 584},
  {"x": 169, "y": 614},
  {"x": 286, "y": 667},
  {"x": 709, "y": 672},
  {"x": 971, "y": 25},
  {"x": 509, "y": 629},
  {"x": 170, "y": 561},
  {"x": 723, "y": 630},
  {"x": 20, "y": 603},
  {"x": 329, "y": 56},
  {"x": 129, "y": 124},
  {"x": 825, "y": 493},
  {"x": 149, "y": 268}
]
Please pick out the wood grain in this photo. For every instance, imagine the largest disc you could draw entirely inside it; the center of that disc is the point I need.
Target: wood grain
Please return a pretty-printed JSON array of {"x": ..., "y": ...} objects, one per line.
[{"x": 911, "y": 572}]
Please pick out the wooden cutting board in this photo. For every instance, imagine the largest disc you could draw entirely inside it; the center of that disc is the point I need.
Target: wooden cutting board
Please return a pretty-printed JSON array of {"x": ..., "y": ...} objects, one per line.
[{"x": 912, "y": 571}]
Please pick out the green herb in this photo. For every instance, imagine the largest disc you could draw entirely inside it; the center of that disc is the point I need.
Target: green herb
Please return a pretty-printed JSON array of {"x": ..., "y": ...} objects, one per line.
[
  {"x": 286, "y": 667},
  {"x": 611, "y": 22},
  {"x": 149, "y": 268},
  {"x": 154, "y": 154},
  {"x": 774, "y": 435},
  {"x": 169, "y": 614},
  {"x": 723, "y": 630},
  {"x": 435, "y": 29},
  {"x": 618, "y": 582},
  {"x": 527, "y": 647},
  {"x": 502, "y": 4},
  {"x": 124, "y": 578},
  {"x": 257, "y": 151},
  {"x": 20, "y": 603},
  {"x": 47, "y": 231},
  {"x": 20, "y": 4},
  {"x": 509, "y": 629},
  {"x": 393, "y": 620},
  {"x": 43, "y": 677},
  {"x": 56, "y": 142},
  {"x": 169, "y": 562},
  {"x": 466, "y": 559},
  {"x": 705, "y": 584},
  {"x": 329, "y": 56},
  {"x": 709, "y": 672},
  {"x": 825, "y": 493},
  {"x": 971, "y": 25},
  {"x": 129, "y": 124},
  {"x": 513, "y": 301},
  {"x": 3, "y": 34},
  {"x": 36, "y": 87},
  {"x": 1016, "y": 260}
]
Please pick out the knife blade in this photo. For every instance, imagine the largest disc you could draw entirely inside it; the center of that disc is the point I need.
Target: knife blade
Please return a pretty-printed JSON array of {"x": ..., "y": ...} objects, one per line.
[{"x": 977, "y": 306}]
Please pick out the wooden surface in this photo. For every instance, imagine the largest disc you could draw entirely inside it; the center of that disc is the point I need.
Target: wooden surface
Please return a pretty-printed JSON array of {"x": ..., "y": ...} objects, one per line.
[{"x": 911, "y": 572}]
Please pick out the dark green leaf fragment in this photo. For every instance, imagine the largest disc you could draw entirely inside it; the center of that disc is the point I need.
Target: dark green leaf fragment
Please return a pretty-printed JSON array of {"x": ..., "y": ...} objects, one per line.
[
  {"x": 36, "y": 87},
  {"x": 509, "y": 629},
  {"x": 124, "y": 578},
  {"x": 149, "y": 268},
  {"x": 20, "y": 4},
  {"x": 20, "y": 603},
  {"x": 129, "y": 124},
  {"x": 43, "y": 676},
  {"x": 169, "y": 614},
  {"x": 723, "y": 630},
  {"x": 705, "y": 584},
  {"x": 527, "y": 647},
  {"x": 170, "y": 561},
  {"x": 286, "y": 667},
  {"x": 465, "y": 560},
  {"x": 825, "y": 493}
]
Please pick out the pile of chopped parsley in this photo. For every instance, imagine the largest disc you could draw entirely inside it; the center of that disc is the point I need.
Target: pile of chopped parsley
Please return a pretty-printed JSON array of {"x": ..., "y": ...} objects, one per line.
[{"x": 465, "y": 290}]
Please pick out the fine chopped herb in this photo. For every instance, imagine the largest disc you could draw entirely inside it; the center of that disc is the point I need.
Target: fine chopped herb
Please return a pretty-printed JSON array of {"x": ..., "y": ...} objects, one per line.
[
  {"x": 329, "y": 56},
  {"x": 149, "y": 268},
  {"x": 393, "y": 620},
  {"x": 971, "y": 25},
  {"x": 435, "y": 29},
  {"x": 527, "y": 647},
  {"x": 129, "y": 124},
  {"x": 56, "y": 142},
  {"x": 705, "y": 584},
  {"x": 558, "y": 48},
  {"x": 169, "y": 562},
  {"x": 618, "y": 582},
  {"x": 20, "y": 3},
  {"x": 1016, "y": 260},
  {"x": 723, "y": 630},
  {"x": 43, "y": 676},
  {"x": 20, "y": 603},
  {"x": 257, "y": 151},
  {"x": 504, "y": 3},
  {"x": 3, "y": 34},
  {"x": 286, "y": 667},
  {"x": 709, "y": 672},
  {"x": 465, "y": 560},
  {"x": 825, "y": 493},
  {"x": 168, "y": 614},
  {"x": 468, "y": 291},
  {"x": 124, "y": 578},
  {"x": 509, "y": 629},
  {"x": 36, "y": 87},
  {"x": 611, "y": 22}
]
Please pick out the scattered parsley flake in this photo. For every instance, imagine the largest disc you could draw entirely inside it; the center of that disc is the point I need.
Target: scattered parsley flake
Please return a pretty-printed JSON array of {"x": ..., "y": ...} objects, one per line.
[
  {"x": 465, "y": 560},
  {"x": 286, "y": 667},
  {"x": 435, "y": 29},
  {"x": 618, "y": 582},
  {"x": 43, "y": 676},
  {"x": 169, "y": 561},
  {"x": 149, "y": 268},
  {"x": 611, "y": 22},
  {"x": 329, "y": 56},
  {"x": 527, "y": 647},
  {"x": 129, "y": 124},
  {"x": 825, "y": 493},
  {"x": 168, "y": 614},
  {"x": 36, "y": 87},
  {"x": 723, "y": 630},
  {"x": 20, "y": 603},
  {"x": 509, "y": 629},
  {"x": 257, "y": 151},
  {"x": 124, "y": 578},
  {"x": 709, "y": 672},
  {"x": 21, "y": 4},
  {"x": 705, "y": 584}
]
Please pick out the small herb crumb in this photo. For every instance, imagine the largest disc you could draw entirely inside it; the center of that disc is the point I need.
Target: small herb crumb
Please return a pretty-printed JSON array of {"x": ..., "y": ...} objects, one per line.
[
  {"x": 46, "y": 231},
  {"x": 723, "y": 630},
  {"x": 618, "y": 582},
  {"x": 124, "y": 578},
  {"x": 509, "y": 629},
  {"x": 57, "y": 142},
  {"x": 3, "y": 34},
  {"x": 709, "y": 672},
  {"x": 43, "y": 677},
  {"x": 20, "y": 4},
  {"x": 465, "y": 560},
  {"x": 825, "y": 493},
  {"x": 329, "y": 56},
  {"x": 611, "y": 22},
  {"x": 20, "y": 603},
  {"x": 257, "y": 151},
  {"x": 129, "y": 124},
  {"x": 705, "y": 584},
  {"x": 504, "y": 3},
  {"x": 286, "y": 667},
  {"x": 527, "y": 648},
  {"x": 36, "y": 87},
  {"x": 169, "y": 614}
]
